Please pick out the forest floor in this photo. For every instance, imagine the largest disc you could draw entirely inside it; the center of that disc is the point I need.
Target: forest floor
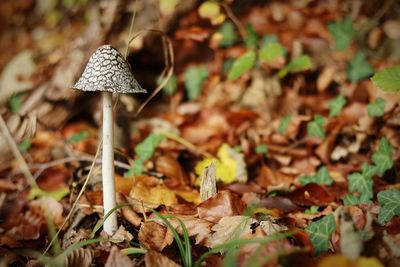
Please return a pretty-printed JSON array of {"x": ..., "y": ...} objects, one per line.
[{"x": 268, "y": 143}]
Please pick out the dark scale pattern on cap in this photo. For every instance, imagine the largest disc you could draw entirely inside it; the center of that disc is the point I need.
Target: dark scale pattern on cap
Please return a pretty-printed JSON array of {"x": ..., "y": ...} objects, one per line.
[{"x": 107, "y": 70}]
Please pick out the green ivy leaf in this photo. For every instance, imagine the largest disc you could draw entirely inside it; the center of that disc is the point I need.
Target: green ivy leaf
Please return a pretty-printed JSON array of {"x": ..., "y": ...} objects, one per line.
[
  {"x": 382, "y": 158},
  {"x": 349, "y": 200},
  {"x": 171, "y": 85},
  {"x": 24, "y": 146},
  {"x": 147, "y": 147},
  {"x": 241, "y": 65},
  {"x": 136, "y": 168},
  {"x": 252, "y": 38},
  {"x": 388, "y": 79},
  {"x": 270, "y": 38},
  {"x": 320, "y": 233},
  {"x": 336, "y": 105},
  {"x": 261, "y": 149},
  {"x": 362, "y": 184},
  {"x": 284, "y": 123},
  {"x": 359, "y": 68},
  {"x": 78, "y": 137},
  {"x": 312, "y": 210},
  {"x": 321, "y": 177},
  {"x": 342, "y": 32},
  {"x": 194, "y": 77},
  {"x": 368, "y": 170},
  {"x": 271, "y": 51},
  {"x": 229, "y": 35},
  {"x": 16, "y": 102},
  {"x": 300, "y": 63},
  {"x": 376, "y": 109},
  {"x": 316, "y": 127},
  {"x": 390, "y": 205}
]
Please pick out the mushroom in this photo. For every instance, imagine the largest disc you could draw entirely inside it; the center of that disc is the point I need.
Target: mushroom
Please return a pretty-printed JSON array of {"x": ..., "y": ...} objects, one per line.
[{"x": 107, "y": 71}]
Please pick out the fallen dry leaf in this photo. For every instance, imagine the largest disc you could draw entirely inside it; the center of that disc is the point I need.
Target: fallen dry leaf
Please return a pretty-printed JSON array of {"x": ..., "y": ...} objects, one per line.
[
  {"x": 116, "y": 259},
  {"x": 156, "y": 259},
  {"x": 155, "y": 236},
  {"x": 221, "y": 205}
]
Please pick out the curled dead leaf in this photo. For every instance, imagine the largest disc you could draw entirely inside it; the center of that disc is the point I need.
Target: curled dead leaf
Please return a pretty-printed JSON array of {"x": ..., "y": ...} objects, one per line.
[
  {"x": 156, "y": 259},
  {"x": 155, "y": 236},
  {"x": 221, "y": 205},
  {"x": 116, "y": 259},
  {"x": 79, "y": 257}
]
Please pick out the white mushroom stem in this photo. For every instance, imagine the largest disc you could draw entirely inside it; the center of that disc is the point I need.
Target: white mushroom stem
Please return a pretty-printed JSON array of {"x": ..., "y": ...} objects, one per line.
[{"x": 110, "y": 225}]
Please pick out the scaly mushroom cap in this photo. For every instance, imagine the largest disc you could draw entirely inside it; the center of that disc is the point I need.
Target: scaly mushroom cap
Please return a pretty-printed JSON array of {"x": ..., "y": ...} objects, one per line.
[{"x": 107, "y": 70}]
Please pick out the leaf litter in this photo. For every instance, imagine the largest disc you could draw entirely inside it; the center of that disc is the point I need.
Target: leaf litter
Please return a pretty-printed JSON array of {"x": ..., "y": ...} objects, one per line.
[{"x": 275, "y": 136}]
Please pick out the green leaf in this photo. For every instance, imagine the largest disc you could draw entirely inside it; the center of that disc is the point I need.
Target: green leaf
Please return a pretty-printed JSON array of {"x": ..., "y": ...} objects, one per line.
[
  {"x": 300, "y": 63},
  {"x": 136, "y": 168},
  {"x": 382, "y": 158},
  {"x": 336, "y": 105},
  {"x": 320, "y": 233},
  {"x": 147, "y": 147},
  {"x": 390, "y": 205},
  {"x": 377, "y": 109},
  {"x": 170, "y": 87},
  {"x": 362, "y": 184},
  {"x": 312, "y": 210},
  {"x": 261, "y": 149},
  {"x": 78, "y": 137},
  {"x": 388, "y": 79},
  {"x": 271, "y": 51},
  {"x": 342, "y": 32},
  {"x": 24, "y": 146},
  {"x": 56, "y": 194},
  {"x": 350, "y": 200},
  {"x": 229, "y": 35},
  {"x": 316, "y": 127},
  {"x": 368, "y": 170},
  {"x": 241, "y": 65},
  {"x": 284, "y": 123},
  {"x": 359, "y": 68},
  {"x": 252, "y": 38},
  {"x": 16, "y": 102},
  {"x": 270, "y": 38},
  {"x": 321, "y": 177},
  {"x": 194, "y": 77}
]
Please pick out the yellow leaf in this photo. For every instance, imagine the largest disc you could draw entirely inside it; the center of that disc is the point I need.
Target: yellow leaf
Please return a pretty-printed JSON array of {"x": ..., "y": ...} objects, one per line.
[
  {"x": 230, "y": 166},
  {"x": 212, "y": 11},
  {"x": 167, "y": 6},
  {"x": 152, "y": 190},
  {"x": 342, "y": 261}
]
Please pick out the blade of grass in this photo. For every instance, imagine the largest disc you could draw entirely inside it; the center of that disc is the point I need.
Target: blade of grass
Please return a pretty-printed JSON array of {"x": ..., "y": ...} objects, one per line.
[
  {"x": 78, "y": 245},
  {"x": 182, "y": 250},
  {"x": 240, "y": 242},
  {"x": 52, "y": 232},
  {"x": 129, "y": 251},
  {"x": 100, "y": 223}
]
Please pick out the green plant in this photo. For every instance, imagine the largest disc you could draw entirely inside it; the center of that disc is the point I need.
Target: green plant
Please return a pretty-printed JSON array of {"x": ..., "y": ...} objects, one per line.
[
  {"x": 359, "y": 68},
  {"x": 261, "y": 149},
  {"x": 376, "y": 109},
  {"x": 388, "y": 79},
  {"x": 194, "y": 77},
  {"x": 321, "y": 177},
  {"x": 320, "y": 232},
  {"x": 390, "y": 204},
  {"x": 284, "y": 123},
  {"x": 336, "y": 105},
  {"x": 316, "y": 127},
  {"x": 342, "y": 33}
]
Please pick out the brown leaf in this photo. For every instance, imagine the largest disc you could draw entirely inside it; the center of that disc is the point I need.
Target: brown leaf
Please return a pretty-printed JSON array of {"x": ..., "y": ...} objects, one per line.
[
  {"x": 221, "y": 205},
  {"x": 155, "y": 236},
  {"x": 156, "y": 259},
  {"x": 310, "y": 194},
  {"x": 79, "y": 257},
  {"x": 51, "y": 208},
  {"x": 171, "y": 168},
  {"x": 117, "y": 259}
]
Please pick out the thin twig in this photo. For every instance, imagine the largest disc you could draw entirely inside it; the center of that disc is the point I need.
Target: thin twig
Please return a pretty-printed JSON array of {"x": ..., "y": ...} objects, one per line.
[
  {"x": 169, "y": 65},
  {"x": 187, "y": 144},
  {"x": 235, "y": 20},
  {"x": 76, "y": 200},
  {"x": 17, "y": 154}
]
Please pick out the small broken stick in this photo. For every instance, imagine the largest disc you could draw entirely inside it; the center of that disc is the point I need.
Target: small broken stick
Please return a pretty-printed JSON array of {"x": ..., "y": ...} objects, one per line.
[{"x": 208, "y": 187}]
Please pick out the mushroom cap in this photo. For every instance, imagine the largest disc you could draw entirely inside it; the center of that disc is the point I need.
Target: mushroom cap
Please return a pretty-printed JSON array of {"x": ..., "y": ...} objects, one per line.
[{"x": 107, "y": 70}]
